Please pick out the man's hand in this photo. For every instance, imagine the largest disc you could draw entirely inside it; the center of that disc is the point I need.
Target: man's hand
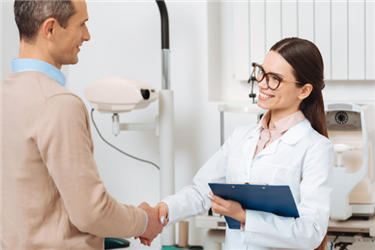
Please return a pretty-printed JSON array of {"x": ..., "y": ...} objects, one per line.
[
  {"x": 229, "y": 208},
  {"x": 163, "y": 217},
  {"x": 154, "y": 226}
]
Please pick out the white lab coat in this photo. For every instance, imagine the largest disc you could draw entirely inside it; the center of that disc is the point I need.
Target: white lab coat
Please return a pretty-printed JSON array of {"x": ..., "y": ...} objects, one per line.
[{"x": 301, "y": 158}]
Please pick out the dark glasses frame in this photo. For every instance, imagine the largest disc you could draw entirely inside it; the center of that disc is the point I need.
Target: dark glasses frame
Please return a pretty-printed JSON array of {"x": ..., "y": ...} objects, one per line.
[{"x": 266, "y": 75}]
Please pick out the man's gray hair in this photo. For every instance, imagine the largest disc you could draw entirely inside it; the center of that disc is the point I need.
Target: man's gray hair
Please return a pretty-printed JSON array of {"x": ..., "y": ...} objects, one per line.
[{"x": 30, "y": 15}]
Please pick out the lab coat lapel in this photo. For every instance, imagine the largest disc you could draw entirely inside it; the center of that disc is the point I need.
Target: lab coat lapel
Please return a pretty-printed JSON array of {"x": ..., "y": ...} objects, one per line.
[
  {"x": 270, "y": 149},
  {"x": 294, "y": 134},
  {"x": 249, "y": 148}
]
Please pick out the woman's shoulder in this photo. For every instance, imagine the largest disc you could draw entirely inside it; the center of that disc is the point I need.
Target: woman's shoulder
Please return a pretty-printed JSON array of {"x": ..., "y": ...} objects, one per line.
[
  {"x": 245, "y": 130},
  {"x": 315, "y": 138},
  {"x": 305, "y": 136}
]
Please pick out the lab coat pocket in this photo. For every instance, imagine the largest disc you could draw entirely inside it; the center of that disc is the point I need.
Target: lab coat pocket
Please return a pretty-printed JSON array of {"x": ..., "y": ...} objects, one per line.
[{"x": 263, "y": 173}]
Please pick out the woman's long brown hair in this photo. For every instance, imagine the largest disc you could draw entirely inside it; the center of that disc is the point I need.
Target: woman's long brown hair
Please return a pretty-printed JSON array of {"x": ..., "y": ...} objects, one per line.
[{"x": 307, "y": 62}]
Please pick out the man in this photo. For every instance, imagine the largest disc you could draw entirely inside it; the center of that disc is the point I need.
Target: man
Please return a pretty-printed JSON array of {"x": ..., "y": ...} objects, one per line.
[{"x": 52, "y": 195}]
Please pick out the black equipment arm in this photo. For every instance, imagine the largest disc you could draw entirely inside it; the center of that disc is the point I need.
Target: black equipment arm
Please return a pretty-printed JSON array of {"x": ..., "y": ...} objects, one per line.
[{"x": 164, "y": 24}]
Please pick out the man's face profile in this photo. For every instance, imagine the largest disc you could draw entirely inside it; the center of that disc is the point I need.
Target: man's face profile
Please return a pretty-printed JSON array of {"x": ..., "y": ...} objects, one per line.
[{"x": 66, "y": 42}]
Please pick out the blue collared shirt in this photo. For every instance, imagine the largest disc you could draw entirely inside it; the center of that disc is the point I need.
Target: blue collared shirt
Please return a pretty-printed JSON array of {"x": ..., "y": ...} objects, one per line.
[{"x": 41, "y": 66}]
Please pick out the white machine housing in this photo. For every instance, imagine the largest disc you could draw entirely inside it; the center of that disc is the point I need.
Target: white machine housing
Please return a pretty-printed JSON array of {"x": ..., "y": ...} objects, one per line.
[
  {"x": 119, "y": 94},
  {"x": 354, "y": 178}
]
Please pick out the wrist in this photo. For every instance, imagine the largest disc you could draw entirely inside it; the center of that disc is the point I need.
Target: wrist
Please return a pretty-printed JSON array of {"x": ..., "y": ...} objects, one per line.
[
  {"x": 146, "y": 222},
  {"x": 162, "y": 203},
  {"x": 241, "y": 217}
]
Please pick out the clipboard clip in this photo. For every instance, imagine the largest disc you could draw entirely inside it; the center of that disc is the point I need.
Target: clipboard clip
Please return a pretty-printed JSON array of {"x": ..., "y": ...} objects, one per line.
[{"x": 250, "y": 183}]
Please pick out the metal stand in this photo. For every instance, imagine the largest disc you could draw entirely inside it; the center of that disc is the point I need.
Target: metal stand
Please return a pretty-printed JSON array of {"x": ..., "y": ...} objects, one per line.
[{"x": 166, "y": 124}]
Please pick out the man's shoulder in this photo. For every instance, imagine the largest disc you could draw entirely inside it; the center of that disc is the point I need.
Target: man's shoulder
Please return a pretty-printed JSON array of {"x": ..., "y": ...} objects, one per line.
[
  {"x": 64, "y": 108},
  {"x": 38, "y": 89},
  {"x": 52, "y": 90},
  {"x": 67, "y": 99},
  {"x": 54, "y": 93},
  {"x": 38, "y": 81},
  {"x": 48, "y": 85}
]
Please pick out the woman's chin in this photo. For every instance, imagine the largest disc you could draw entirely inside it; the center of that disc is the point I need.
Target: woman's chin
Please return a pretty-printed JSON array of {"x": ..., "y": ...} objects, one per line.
[{"x": 263, "y": 105}]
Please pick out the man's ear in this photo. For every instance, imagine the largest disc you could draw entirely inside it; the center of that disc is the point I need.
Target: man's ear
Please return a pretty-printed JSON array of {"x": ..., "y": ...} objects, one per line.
[
  {"x": 49, "y": 27},
  {"x": 305, "y": 91}
]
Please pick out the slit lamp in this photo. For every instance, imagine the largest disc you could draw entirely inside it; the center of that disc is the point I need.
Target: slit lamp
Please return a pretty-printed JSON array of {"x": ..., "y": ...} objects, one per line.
[{"x": 123, "y": 94}]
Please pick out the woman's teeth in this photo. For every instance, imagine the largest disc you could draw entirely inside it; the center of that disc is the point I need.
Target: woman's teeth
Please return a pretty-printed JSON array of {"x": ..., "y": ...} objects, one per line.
[{"x": 265, "y": 96}]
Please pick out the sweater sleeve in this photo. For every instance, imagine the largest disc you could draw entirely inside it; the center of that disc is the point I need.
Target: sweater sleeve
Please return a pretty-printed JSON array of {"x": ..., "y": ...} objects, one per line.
[{"x": 65, "y": 144}]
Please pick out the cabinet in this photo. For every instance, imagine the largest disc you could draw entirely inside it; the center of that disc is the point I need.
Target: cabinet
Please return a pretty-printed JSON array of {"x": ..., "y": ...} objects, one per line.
[{"x": 344, "y": 32}]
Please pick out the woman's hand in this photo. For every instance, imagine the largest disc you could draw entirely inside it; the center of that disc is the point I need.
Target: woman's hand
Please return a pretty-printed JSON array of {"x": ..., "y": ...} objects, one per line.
[
  {"x": 163, "y": 213},
  {"x": 229, "y": 208}
]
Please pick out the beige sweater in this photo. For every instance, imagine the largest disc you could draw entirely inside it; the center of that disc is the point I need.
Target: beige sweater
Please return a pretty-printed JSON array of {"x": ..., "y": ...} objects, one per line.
[{"x": 52, "y": 195}]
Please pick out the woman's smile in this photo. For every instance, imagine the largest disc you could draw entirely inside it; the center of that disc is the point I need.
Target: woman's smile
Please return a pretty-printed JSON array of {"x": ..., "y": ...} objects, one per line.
[{"x": 265, "y": 97}]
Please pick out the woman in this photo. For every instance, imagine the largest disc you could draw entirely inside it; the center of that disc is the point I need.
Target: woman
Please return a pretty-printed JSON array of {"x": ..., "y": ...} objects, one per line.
[{"x": 289, "y": 146}]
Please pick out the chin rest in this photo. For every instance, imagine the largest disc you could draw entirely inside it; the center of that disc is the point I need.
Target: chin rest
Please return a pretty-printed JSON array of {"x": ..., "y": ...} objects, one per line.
[{"x": 114, "y": 243}]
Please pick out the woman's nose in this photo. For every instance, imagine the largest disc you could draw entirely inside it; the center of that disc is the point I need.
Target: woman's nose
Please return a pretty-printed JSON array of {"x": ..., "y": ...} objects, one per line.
[{"x": 263, "y": 84}]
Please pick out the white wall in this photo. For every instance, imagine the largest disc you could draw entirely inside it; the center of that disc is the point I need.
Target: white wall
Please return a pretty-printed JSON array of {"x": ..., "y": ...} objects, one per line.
[
  {"x": 342, "y": 30},
  {"x": 125, "y": 40},
  {"x": 128, "y": 43},
  {"x": 232, "y": 90},
  {"x": 9, "y": 38}
]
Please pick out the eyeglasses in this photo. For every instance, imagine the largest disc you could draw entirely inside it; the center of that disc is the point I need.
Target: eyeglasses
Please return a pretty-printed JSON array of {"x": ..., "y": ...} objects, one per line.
[{"x": 273, "y": 81}]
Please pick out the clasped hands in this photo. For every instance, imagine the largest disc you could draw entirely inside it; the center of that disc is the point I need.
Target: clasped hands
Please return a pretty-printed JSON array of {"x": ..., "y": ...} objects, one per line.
[
  {"x": 158, "y": 216},
  {"x": 157, "y": 220}
]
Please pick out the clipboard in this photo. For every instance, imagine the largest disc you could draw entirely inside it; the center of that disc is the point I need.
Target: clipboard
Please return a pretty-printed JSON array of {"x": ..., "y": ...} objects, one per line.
[{"x": 267, "y": 198}]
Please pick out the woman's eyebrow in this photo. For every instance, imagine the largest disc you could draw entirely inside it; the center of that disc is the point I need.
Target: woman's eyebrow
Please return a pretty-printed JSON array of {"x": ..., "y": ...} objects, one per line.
[{"x": 278, "y": 74}]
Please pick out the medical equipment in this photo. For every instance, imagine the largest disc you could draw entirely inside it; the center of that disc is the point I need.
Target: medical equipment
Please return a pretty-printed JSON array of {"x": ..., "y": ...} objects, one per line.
[
  {"x": 119, "y": 94},
  {"x": 252, "y": 79},
  {"x": 360, "y": 232},
  {"x": 351, "y": 128},
  {"x": 353, "y": 230},
  {"x": 136, "y": 97}
]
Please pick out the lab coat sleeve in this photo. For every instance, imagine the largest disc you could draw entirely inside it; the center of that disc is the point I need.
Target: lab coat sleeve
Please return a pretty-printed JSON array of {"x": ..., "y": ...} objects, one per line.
[
  {"x": 306, "y": 232},
  {"x": 192, "y": 200},
  {"x": 65, "y": 143}
]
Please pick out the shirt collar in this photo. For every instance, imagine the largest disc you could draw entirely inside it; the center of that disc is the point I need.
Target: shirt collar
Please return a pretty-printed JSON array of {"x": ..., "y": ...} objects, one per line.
[
  {"x": 41, "y": 66},
  {"x": 284, "y": 124},
  {"x": 291, "y": 136}
]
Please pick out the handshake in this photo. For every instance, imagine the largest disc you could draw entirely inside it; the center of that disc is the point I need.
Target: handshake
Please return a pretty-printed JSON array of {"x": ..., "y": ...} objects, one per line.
[{"x": 157, "y": 220}]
